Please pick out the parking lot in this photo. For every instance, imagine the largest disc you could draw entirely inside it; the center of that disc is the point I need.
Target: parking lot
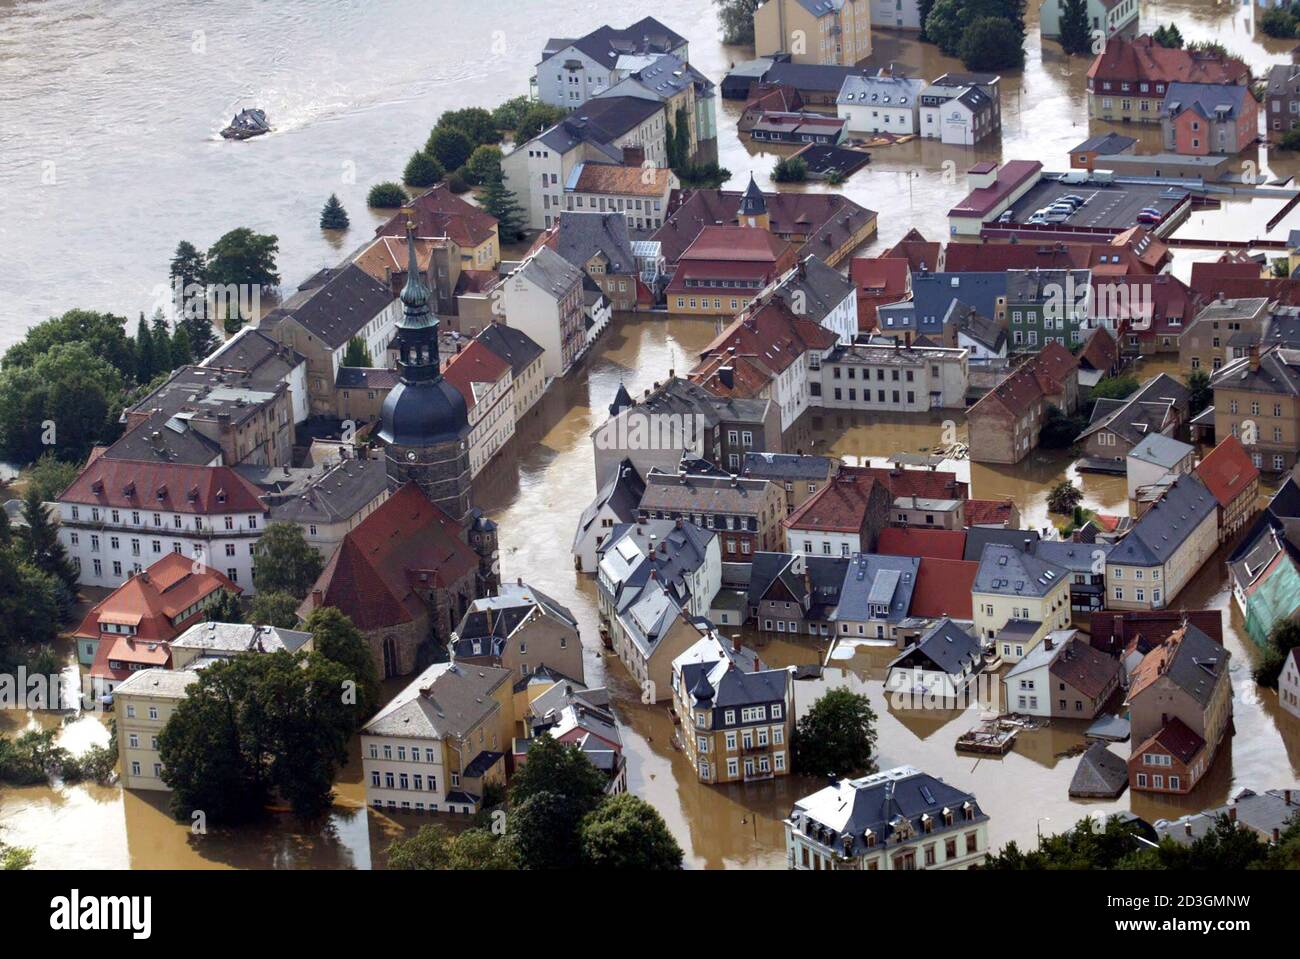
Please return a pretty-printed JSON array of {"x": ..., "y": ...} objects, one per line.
[{"x": 1106, "y": 206}]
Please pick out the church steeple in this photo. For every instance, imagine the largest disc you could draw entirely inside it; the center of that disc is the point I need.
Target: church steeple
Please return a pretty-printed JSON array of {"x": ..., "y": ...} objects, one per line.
[
  {"x": 417, "y": 333},
  {"x": 753, "y": 206}
]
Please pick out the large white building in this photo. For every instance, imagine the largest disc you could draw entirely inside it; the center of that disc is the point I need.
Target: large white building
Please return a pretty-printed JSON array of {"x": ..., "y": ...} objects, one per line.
[
  {"x": 880, "y": 104},
  {"x": 543, "y": 298},
  {"x": 121, "y": 516},
  {"x": 901, "y": 818},
  {"x": 439, "y": 740}
]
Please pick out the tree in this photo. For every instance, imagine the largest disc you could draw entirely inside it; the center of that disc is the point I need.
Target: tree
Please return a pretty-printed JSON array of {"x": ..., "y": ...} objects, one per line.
[
  {"x": 181, "y": 350},
  {"x": 255, "y": 727},
  {"x": 333, "y": 216},
  {"x": 678, "y": 139},
  {"x": 502, "y": 204},
  {"x": 626, "y": 832},
  {"x": 285, "y": 561},
  {"x": 923, "y": 9},
  {"x": 1064, "y": 497},
  {"x": 1076, "y": 34},
  {"x": 475, "y": 122},
  {"x": 224, "y": 609},
  {"x": 40, "y": 539},
  {"x": 737, "y": 19},
  {"x": 561, "y": 769},
  {"x": 433, "y": 847},
  {"x": 1169, "y": 37},
  {"x": 164, "y": 356},
  {"x": 67, "y": 401},
  {"x": 189, "y": 267},
  {"x": 508, "y": 115},
  {"x": 14, "y": 858},
  {"x": 50, "y": 476},
  {"x": 543, "y": 831},
  {"x": 274, "y": 608},
  {"x": 1278, "y": 22},
  {"x": 484, "y": 164},
  {"x": 422, "y": 170},
  {"x": 949, "y": 22},
  {"x": 549, "y": 796},
  {"x": 1083, "y": 847},
  {"x": 992, "y": 43},
  {"x": 386, "y": 196},
  {"x": 242, "y": 257},
  {"x": 450, "y": 147},
  {"x": 790, "y": 170},
  {"x": 144, "y": 359},
  {"x": 538, "y": 117},
  {"x": 356, "y": 354},
  {"x": 837, "y": 736},
  {"x": 335, "y": 638},
  {"x": 1284, "y": 638},
  {"x": 1114, "y": 388},
  {"x": 103, "y": 333},
  {"x": 1198, "y": 383}
]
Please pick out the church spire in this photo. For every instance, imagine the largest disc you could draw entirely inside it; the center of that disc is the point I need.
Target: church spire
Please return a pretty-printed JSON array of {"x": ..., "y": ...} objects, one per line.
[
  {"x": 415, "y": 294},
  {"x": 417, "y": 332}
]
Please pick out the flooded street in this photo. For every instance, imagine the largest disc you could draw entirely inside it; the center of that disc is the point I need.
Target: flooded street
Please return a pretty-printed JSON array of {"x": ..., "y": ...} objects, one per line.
[{"x": 118, "y": 159}]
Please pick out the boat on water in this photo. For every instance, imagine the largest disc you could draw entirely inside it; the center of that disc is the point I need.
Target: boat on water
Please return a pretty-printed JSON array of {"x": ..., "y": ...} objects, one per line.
[{"x": 247, "y": 123}]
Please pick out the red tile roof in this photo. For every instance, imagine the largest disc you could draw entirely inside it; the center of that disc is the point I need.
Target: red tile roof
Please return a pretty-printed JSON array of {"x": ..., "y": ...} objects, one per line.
[
  {"x": 168, "y": 487},
  {"x": 1142, "y": 60},
  {"x": 737, "y": 243},
  {"x": 758, "y": 345},
  {"x": 150, "y": 600},
  {"x": 1086, "y": 669},
  {"x": 920, "y": 253},
  {"x": 927, "y": 484},
  {"x": 989, "y": 512},
  {"x": 947, "y": 544},
  {"x": 839, "y": 507},
  {"x": 407, "y": 544},
  {"x": 1227, "y": 471},
  {"x": 1100, "y": 352},
  {"x": 441, "y": 213},
  {"x": 943, "y": 588},
  {"x": 1175, "y": 738},
  {"x": 980, "y": 202},
  {"x": 1114, "y": 632},
  {"x": 474, "y": 364}
]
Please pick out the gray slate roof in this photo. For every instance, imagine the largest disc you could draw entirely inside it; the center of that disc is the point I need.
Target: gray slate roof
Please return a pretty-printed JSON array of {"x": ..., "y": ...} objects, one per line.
[
  {"x": 1263, "y": 812},
  {"x": 815, "y": 287},
  {"x": 218, "y": 638},
  {"x": 871, "y": 580},
  {"x": 1100, "y": 774},
  {"x": 512, "y": 345},
  {"x": 879, "y": 803},
  {"x": 946, "y": 646},
  {"x": 1007, "y": 571},
  {"x": 1160, "y": 450},
  {"x": 447, "y": 699},
  {"x": 582, "y": 235},
  {"x": 338, "y": 309},
  {"x": 785, "y": 466},
  {"x": 329, "y": 494},
  {"x": 1165, "y": 526}
]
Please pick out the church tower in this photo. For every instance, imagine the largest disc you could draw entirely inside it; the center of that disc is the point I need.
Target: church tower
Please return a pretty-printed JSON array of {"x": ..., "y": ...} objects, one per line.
[
  {"x": 424, "y": 424},
  {"x": 753, "y": 207}
]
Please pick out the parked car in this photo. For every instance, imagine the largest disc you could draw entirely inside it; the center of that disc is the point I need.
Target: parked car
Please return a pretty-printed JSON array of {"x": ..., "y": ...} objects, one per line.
[
  {"x": 1147, "y": 217},
  {"x": 1008, "y": 216}
]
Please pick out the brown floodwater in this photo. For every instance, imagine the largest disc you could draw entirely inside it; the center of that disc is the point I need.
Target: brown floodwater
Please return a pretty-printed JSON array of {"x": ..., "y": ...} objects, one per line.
[{"x": 116, "y": 160}]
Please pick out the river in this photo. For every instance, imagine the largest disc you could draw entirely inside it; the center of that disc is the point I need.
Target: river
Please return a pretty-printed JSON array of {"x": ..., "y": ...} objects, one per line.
[{"x": 116, "y": 158}]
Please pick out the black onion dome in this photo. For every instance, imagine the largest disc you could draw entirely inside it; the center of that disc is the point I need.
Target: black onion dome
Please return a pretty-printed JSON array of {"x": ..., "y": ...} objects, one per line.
[{"x": 423, "y": 413}]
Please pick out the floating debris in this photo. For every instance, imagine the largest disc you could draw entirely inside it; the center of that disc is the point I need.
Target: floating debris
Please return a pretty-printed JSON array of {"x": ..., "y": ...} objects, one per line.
[{"x": 248, "y": 123}]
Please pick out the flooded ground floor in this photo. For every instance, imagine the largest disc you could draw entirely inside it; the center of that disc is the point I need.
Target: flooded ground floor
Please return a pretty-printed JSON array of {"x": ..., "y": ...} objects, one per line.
[{"x": 536, "y": 491}]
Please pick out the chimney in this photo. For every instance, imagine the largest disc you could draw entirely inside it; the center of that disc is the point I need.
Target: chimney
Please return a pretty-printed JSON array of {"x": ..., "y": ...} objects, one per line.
[
  {"x": 1232, "y": 812},
  {"x": 1048, "y": 643},
  {"x": 735, "y": 643},
  {"x": 1029, "y": 545},
  {"x": 727, "y": 376},
  {"x": 1187, "y": 827},
  {"x": 317, "y": 598},
  {"x": 908, "y": 337},
  {"x": 1254, "y": 357}
]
